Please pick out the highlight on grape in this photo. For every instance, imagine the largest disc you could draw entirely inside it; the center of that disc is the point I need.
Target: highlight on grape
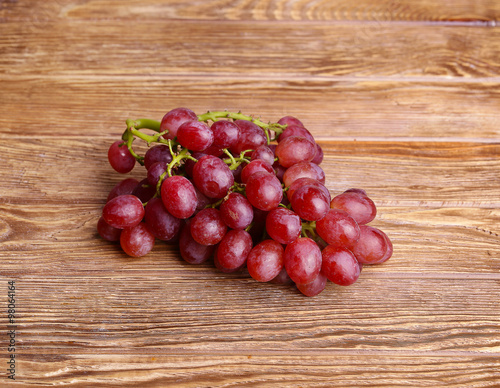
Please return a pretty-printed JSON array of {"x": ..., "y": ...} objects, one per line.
[{"x": 244, "y": 193}]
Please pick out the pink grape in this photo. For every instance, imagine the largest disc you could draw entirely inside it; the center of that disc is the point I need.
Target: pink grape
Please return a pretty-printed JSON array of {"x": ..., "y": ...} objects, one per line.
[
  {"x": 302, "y": 260},
  {"x": 162, "y": 224},
  {"x": 295, "y": 149},
  {"x": 265, "y": 260},
  {"x": 124, "y": 211},
  {"x": 340, "y": 265},
  {"x": 178, "y": 196},
  {"x": 226, "y": 133},
  {"x": 338, "y": 228},
  {"x": 264, "y": 191},
  {"x": 310, "y": 203},
  {"x": 264, "y": 153},
  {"x": 236, "y": 211},
  {"x": 358, "y": 206},
  {"x": 195, "y": 135},
  {"x": 315, "y": 287},
  {"x": 207, "y": 227},
  {"x": 174, "y": 119},
  {"x": 233, "y": 249},
  {"x": 123, "y": 187},
  {"x": 372, "y": 246},
  {"x": 283, "y": 225},
  {"x": 137, "y": 241},
  {"x": 120, "y": 158},
  {"x": 212, "y": 177}
]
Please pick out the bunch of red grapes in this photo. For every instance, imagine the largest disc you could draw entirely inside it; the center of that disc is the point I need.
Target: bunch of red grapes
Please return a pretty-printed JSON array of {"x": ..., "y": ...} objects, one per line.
[{"x": 248, "y": 194}]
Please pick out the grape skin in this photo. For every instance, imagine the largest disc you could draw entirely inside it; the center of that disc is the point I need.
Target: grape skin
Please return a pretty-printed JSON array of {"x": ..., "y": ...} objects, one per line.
[
  {"x": 233, "y": 249},
  {"x": 338, "y": 228},
  {"x": 108, "y": 232},
  {"x": 137, "y": 241},
  {"x": 174, "y": 119},
  {"x": 212, "y": 177},
  {"x": 124, "y": 211},
  {"x": 178, "y": 196},
  {"x": 236, "y": 211},
  {"x": 315, "y": 287},
  {"x": 162, "y": 224},
  {"x": 295, "y": 149},
  {"x": 265, "y": 260},
  {"x": 283, "y": 225},
  {"x": 207, "y": 227},
  {"x": 340, "y": 265},
  {"x": 195, "y": 135},
  {"x": 357, "y": 205},
  {"x": 310, "y": 203},
  {"x": 192, "y": 251},
  {"x": 253, "y": 167},
  {"x": 372, "y": 246},
  {"x": 120, "y": 158},
  {"x": 303, "y": 260}
]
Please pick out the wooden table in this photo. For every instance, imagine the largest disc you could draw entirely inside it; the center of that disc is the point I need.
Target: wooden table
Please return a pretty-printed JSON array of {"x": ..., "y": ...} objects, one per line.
[{"x": 404, "y": 97}]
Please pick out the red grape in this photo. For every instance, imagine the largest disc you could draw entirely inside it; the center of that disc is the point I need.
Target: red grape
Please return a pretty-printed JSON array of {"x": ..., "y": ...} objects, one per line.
[
  {"x": 372, "y": 246},
  {"x": 144, "y": 191},
  {"x": 265, "y": 260},
  {"x": 302, "y": 260},
  {"x": 123, "y": 187},
  {"x": 303, "y": 170},
  {"x": 236, "y": 211},
  {"x": 290, "y": 120},
  {"x": 226, "y": 133},
  {"x": 178, "y": 196},
  {"x": 251, "y": 137},
  {"x": 159, "y": 153},
  {"x": 338, "y": 228},
  {"x": 357, "y": 205},
  {"x": 195, "y": 135},
  {"x": 162, "y": 224},
  {"x": 108, "y": 232},
  {"x": 192, "y": 251},
  {"x": 233, "y": 250},
  {"x": 306, "y": 182},
  {"x": 310, "y": 203},
  {"x": 296, "y": 130},
  {"x": 340, "y": 265},
  {"x": 264, "y": 191},
  {"x": 207, "y": 227},
  {"x": 264, "y": 153},
  {"x": 137, "y": 241},
  {"x": 120, "y": 157},
  {"x": 174, "y": 119},
  {"x": 155, "y": 172},
  {"x": 295, "y": 149},
  {"x": 253, "y": 167},
  {"x": 212, "y": 176},
  {"x": 124, "y": 211},
  {"x": 315, "y": 287},
  {"x": 283, "y": 225}
]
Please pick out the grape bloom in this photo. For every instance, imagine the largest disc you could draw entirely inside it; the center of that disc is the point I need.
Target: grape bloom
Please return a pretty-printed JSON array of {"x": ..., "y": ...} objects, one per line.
[{"x": 242, "y": 194}]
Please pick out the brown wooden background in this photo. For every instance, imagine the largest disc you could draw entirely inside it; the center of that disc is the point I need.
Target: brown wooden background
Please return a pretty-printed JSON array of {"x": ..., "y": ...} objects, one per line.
[{"x": 405, "y": 99}]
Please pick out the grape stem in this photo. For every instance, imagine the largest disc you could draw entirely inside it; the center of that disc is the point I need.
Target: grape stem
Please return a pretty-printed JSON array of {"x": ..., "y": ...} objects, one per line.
[{"x": 309, "y": 229}]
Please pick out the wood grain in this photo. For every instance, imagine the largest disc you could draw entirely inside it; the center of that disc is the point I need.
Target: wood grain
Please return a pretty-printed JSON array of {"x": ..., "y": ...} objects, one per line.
[
  {"x": 345, "y": 109},
  {"x": 291, "y": 49},
  {"x": 364, "y": 10},
  {"x": 402, "y": 95}
]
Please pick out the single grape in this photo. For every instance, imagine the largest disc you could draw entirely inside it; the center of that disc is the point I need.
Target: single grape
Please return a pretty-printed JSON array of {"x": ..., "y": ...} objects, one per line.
[
  {"x": 253, "y": 167},
  {"x": 233, "y": 249},
  {"x": 295, "y": 149},
  {"x": 340, "y": 265},
  {"x": 338, "y": 228},
  {"x": 159, "y": 153},
  {"x": 207, "y": 227},
  {"x": 221, "y": 268},
  {"x": 174, "y": 119},
  {"x": 290, "y": 120},
  {"x": 161, "y": 223},
  {"x": 123, "y": 187},
  {"x": 195, "y": 135},
  {"x": 251, "y": 137},
  {"x": 212, "y": 177},
  {"x": 315, "y": 287},
  {"x": 282, "y": 278},
  {"x": 357, "y": 205},
  {"x": 124, "y": 211},
  {"x": 283, "y": 225},
  {"x": 264, "y": 191},
  {"x": 137, "y": 241},
  {"x": 144, "y": 191},
  {"x": 264, "y": 153},
  {"x": 120, "y": 158},
  {"x": 303, "y": 170},
  {"x": 307, "y": 182},
  {"x": 236, "y": 211},
  {"x": 178, "y": 196},
  {"x": 302, "y": 260},
  {"x": 318, "y": 158},
  {"x": 108, "y": 232},
  {"x": 388, "y": 252},
  {"x": 310, "y": 203},
  {"x": 372, "y": 245},
  {"x": 192, "y": 251},
  {"x": 265, "y": 261},
  {"x": 296, "y": 130},
  {"x": 226, "y": 133},
  {"x": 155, "y": 172}
]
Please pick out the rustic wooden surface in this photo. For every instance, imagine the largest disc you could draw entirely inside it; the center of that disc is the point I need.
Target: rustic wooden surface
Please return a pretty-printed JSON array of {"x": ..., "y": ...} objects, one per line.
[{"x": 404, "y": 96}]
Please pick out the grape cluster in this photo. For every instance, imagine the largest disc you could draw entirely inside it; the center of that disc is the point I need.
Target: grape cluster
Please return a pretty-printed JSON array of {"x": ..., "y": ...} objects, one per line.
[{"x": 246, "y": 193}]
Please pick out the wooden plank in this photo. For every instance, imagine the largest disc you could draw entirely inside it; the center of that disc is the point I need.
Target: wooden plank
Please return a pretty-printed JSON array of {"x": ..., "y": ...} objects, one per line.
[
  {"x": 364, "y": 10},
  {"x": 330, "y": 108},
  {"x": 292, "y": 49},
  {"x": 162, "y": 314},
  {"x": 252, "y": 370}
]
